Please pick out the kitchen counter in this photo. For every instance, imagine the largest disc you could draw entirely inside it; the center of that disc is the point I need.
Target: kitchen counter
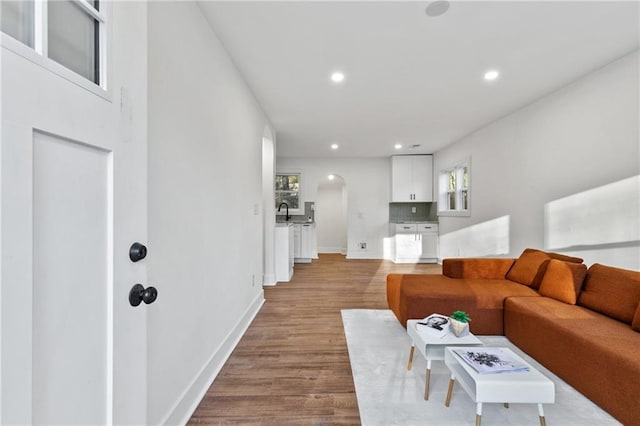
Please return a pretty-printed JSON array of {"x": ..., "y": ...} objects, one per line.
[
  {"x": 294, "y": 222},
  {"x": 434, "y": 222}
]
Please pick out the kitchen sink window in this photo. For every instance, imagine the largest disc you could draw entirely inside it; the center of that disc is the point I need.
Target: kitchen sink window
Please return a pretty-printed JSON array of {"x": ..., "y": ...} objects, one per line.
[
  {"x": 288, "y": 190},
  {"x": 454, "y": 190}
]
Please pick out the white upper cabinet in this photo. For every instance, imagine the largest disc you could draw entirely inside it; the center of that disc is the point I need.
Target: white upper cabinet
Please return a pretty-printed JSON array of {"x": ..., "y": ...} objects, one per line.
[{"x": 411, "y": 178}]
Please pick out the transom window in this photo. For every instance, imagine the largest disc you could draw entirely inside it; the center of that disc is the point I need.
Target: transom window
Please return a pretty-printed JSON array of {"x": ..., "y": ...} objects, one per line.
[
  {"x": 288, "y": 190},
  {"x": 69, "y": 32},
  {"x": 454, "y": 190}
]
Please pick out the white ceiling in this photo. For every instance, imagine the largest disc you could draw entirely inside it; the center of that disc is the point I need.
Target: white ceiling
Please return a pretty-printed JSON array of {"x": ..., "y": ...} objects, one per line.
[{"x": 410, "y": 78}]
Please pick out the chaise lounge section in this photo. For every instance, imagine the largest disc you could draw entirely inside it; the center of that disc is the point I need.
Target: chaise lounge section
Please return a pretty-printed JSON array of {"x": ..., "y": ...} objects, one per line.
[{"x": 583, "y": 325}]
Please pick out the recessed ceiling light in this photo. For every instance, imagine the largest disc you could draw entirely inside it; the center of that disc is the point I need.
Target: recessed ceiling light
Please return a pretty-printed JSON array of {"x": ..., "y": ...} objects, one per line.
[
  {"x": 337, "y": 77},
  {"x": 437, "y": 8},
  {"x": 491, "y": 75},
  {"x": 334, "y": 146},
  {"x": 331, "y": 177},
  {"x": 398, "y": 146}
]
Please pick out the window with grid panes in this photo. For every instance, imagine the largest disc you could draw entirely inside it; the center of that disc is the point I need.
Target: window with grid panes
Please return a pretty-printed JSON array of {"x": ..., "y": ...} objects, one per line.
[{"x": 454, "y": 190}]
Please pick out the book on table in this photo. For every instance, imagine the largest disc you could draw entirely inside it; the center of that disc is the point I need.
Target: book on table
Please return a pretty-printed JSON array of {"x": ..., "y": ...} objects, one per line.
[
  {"x": 491, "y": 360},
  {"x": 435, "y": 325}
]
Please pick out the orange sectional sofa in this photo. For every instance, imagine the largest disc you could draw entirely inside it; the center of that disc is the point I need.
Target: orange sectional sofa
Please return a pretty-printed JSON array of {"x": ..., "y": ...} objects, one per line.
[{"x": 582, "y": 324}]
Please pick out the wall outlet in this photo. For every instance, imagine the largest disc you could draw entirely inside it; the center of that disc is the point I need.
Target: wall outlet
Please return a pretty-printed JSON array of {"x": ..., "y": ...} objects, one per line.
[
  {"x": 413, "y": 210},
  {"x": 363, "y": 246}
]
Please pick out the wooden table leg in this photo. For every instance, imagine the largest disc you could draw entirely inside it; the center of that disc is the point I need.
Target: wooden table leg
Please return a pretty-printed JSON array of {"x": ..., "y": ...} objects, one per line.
[
  {"x": 426, "y": 385},
  {"x": 428, "y": 380},
  {"x": 410, "y": 364},
  {"x": 451, "y": 382}
]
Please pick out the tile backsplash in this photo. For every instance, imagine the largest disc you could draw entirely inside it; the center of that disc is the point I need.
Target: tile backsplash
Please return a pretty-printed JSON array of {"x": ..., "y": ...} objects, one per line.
[
  {"x": 402, "y": 212},
  {"x": 308, "y": 212}
]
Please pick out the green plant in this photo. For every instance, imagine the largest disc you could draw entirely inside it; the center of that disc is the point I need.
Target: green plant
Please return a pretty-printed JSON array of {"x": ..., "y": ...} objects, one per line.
[{"x": 460, "y": 316}]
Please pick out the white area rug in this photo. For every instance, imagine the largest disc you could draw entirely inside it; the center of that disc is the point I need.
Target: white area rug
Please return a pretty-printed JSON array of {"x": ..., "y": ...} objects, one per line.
[{"x": 388, "y": 394}]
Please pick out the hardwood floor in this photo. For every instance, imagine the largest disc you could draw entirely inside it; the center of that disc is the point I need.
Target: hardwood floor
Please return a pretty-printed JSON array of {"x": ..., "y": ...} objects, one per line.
[{"x": 292, "y": 365}]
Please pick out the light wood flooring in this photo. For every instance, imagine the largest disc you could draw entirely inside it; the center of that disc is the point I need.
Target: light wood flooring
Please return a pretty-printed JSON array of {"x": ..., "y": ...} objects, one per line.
[{"x": 292, "y": 365}]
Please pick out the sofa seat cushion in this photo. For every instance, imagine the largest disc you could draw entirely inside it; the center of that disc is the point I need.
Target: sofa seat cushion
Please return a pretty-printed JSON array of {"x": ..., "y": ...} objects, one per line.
[
  {"x": 612, "y": 291},
  {"x": 416, "y": 296},
  {"x": 597, "y": 355},
  {"x": 483, "y": 267}
]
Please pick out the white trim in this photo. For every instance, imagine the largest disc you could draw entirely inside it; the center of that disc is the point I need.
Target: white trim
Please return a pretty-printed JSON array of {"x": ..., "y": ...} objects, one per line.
[
  {"x": 366, "y": 255},
  {"x": 40, "y": 27},
  {"x": 332, "y": 250},
  {"x": 38, "y": 54},
  {"x": 186, "y": 404},
  {"x": 269, "y": 280},
  {"x": 454, "y": 213},
  {"x": 443, "y": 176},
  {"x": 104, "y": 48},
  {"x": 91, "y": 11},
  {"x": 31, "y": 55}
]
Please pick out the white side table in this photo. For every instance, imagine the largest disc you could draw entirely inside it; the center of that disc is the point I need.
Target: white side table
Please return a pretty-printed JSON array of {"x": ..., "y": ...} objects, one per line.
[
  {"x": 432, "y": 347},
  {"x": 524, "y": 387}
]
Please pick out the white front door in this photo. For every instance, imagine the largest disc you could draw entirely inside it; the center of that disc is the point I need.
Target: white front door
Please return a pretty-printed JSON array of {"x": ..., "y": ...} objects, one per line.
[{"x": 73, "y": 201}]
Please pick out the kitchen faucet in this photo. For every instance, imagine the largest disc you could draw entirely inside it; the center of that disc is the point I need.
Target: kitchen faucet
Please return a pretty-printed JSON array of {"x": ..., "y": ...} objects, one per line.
[{"x": 287, "y": 217}]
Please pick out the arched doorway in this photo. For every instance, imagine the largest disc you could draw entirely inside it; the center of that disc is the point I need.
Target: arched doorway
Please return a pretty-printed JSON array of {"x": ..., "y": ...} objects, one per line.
[{"x": 331, "y": 215}]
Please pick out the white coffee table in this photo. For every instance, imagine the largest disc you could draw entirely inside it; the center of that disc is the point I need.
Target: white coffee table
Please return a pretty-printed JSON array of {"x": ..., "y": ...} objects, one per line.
[
  {"x": 530, "y": 387},
  {"x": 432, "y": 348}
]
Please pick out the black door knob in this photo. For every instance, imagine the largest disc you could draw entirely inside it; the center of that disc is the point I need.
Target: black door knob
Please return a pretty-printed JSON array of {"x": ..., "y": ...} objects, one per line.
[
  {"x": 139, "y": 294},
  {"x": 137, "y": 252}
]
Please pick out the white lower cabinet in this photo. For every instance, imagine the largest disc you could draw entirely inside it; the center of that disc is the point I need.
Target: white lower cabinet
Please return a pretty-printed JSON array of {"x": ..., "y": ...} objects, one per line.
[
  {"x": 416, "y": 243},
  {"x": 284, "y": 252},
  {"x": 429, "y": 249},
  {"x": 303, "y": 242}
]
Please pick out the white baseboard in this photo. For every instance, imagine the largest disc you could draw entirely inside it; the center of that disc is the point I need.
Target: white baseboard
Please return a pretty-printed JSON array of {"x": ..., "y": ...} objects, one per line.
[
  {"x": 364, "y": 254},
  {"x": 191, "y": 397},
  {"x": 269, "y": 280},
  {"x": 332, "y": 250}
]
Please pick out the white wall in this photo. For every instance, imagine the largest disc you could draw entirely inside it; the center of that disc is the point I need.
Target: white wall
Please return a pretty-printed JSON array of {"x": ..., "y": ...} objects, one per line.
[
  {"x": 574, "y": 140},
  {"x": 368, "y": 188},
  {"x": 205, "y": 204},
  {"x": 331, "y": 217}
]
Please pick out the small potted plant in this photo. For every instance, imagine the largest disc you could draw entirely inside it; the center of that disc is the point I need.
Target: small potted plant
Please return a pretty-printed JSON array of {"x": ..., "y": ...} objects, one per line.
[{"x": 460, "y": 323}]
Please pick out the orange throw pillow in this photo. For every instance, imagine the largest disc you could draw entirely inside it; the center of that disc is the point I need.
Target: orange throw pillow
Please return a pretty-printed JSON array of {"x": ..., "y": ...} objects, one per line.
[
  {"x": 529, "y": 268},
  {"x": 562, "y": 281}
]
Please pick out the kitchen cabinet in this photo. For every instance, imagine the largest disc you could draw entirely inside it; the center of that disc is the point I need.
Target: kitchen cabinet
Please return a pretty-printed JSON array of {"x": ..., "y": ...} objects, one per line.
[
  {"x": 303, "y": 242},
  {"x": 284, "y": 252},
  {"x": 416, "y": 243},
  {"x": 428, "y": 236},
  {"x": 411, "y": 178}
]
